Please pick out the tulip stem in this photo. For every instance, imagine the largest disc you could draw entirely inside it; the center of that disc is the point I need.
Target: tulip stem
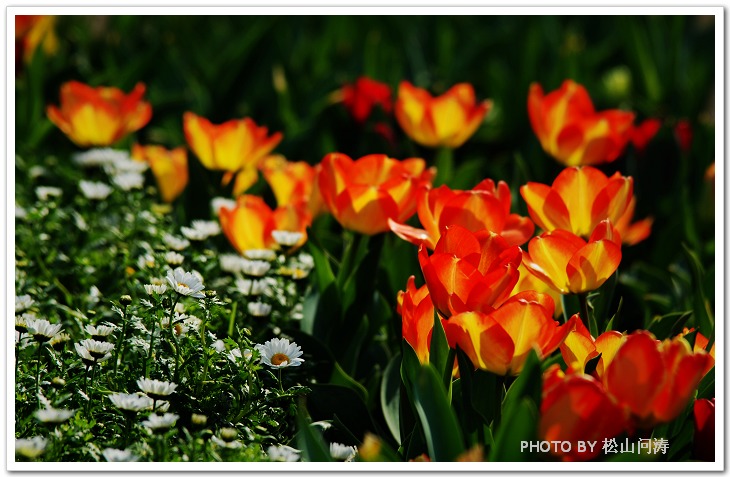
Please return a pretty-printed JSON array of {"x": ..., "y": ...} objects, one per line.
[
  {"x": 586, "y": 314},
  {"x": 444, "y": 162}
]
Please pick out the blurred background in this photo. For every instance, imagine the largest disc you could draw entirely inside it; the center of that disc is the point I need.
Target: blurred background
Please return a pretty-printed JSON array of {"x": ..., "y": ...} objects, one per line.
[{"x": 287, "y": 72}]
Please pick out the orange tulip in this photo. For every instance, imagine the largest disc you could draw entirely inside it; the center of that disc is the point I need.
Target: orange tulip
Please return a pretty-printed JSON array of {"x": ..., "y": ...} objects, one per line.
[
  {"x": 501, "y": 340},
  {"x": 578, "y": 200},
  {"x": 570, "y": 130},
  {"x": 469, "y": 271},
  {"x": 363, "y": 95},
  {"x": 633, "y": 232},
  {"x": 529, "y": 282},
  {"x": 293, "y": 182},
  {"x": 99, "y": 116},
  {"x": 654, "y": 380},
  {"x": 447, "y": 120},
  {"x": 170, "y": 168},
  {"x": 569, "y": 264},
  {"x": 416, "y": 310},
  {"x": 483, "y": 207},
  {"x": 32, "y": 31},
  {"x": 704, "y": 440},
  {"x": 575, "y": 407},
  {"x": 249, "y": 225},
  {"x": 363, "y": 194},
  {"x": 236, "y": 146},
  {"x": 580, "y": 347}
]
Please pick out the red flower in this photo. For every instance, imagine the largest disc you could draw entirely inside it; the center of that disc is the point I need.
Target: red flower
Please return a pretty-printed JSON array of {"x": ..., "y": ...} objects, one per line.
[
  {"x": 641, "y": 134},
  {"x": 683, "y": 133},
  {"x": 416, "y": 310},
  {"x": 363, "y": 95},
  {"x": 704, "y": 442}
]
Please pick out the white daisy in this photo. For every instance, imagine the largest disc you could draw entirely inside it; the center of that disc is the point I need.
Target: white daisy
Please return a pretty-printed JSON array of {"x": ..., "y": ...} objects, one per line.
[
  {"x": 341, "y": 452},
  {"x": 160, "y": 423},
  {"x": 155, "y": 289},
  {"x": 24, "y": 322},
  {"x": 208, "y": 227},
  {"x": 95, "y": 190},
  {"x": 226, "y": 444},
  {"x": 175, "y": 243},
  {"x": 121, "y": 165},
  {"x": 286, "y": 238},
  {"x": 256, "y": 268},
  {"x": 145, "y": 261},
  {"x": 219, "y": 202},
  {"x": 43, "y": 330},
  {"x": 53, "y": 416},
  {"x": 185, "y": 283},
  {"x": 156, "y": 389},
  {"x": 257, "y": 308},
  {"x": 128, "y": 180},
  {"x": 116, "y": 455},
  {"x": 193, "y": 234},
  {"x": 231, "y": 263},
  {"x": 20, "y": 213},
  {"x": 218, "y": 346},
  {"x": 174, "y": 258},
  {"x": 283, "y": 454},
  {"x": 87, "y": 357},
  {"x": 99, "y": 333},
  {"x": 305, "y": 261},
  {"x": 260, "y": 254},
  {"x": 97, "y": 349},
  {"x": 44, "y": 192},
  {"x": 280, "y": 353},
  {"x": 131, "y": 402},
  {"x": 252, "y": 287},
  {"x": 22, "y": 303},
  {"x": 31, "y": 448},
  {"x": 99, "y": 156}
]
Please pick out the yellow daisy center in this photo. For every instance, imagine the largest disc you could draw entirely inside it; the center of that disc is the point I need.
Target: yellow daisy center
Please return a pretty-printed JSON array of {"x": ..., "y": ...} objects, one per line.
[
  {"x": 182, "y": 285},
  {"x": 279, "y": 358}
]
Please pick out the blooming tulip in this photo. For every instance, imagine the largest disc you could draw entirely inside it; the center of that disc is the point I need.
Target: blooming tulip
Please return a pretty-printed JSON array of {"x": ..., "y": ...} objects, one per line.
[
  {"x": 417, "y": 311},
  {"x": 483, "y": 207},
  {"x": 447, "y": 120},
  {"x": 570, "y": 130},
  {"x": 236, "y": 146},
  {"x": 469, "y": 271},
  {"x": 501, "y": 340},
  {"x": 293, "y": 182},
  {"x": 170, "y": 168},
  {"x": 528, "y": 281},
  {"x": 363, "y": 95},
  {"x": 655, "y": 380},
  {"x": 580, "y": 347},
  {"x": 569, "y": 264},
  {"x": 363, "y": 194},
  {"x": 99, "y": 116},
  {"x": 579, "y": 198},
  {"x": 633, "y": 232},
  {"x": 250, "y": 224},
  {"x": 575, "y": 407}
]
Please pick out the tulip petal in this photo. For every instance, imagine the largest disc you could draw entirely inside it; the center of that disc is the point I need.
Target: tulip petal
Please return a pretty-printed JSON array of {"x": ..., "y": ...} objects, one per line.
[
  {"x": 592, "y": 265},
  {"x": 545, "y": 206},
  {"x": 549, "y": 255},
  {"x": 411, "y": 234},
  {"x": 485, "y": 342},
  {"x": 579, "y": 187}
]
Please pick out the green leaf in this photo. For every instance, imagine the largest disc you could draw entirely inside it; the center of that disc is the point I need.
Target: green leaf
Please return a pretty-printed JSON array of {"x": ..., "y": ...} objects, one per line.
[
  {"x": 309, "y": 440},
  {"x": 441, "y": 356},
  {"x": 329, "y": 400},
  {"x": 528, "y": 384},
  {"x": 322, "y": 269},
  {"x": 341, "y": 378},
  {"x": 390, "y": 396},
  {"x": 519, "y": 423},
  {"x": 443, "y": 435},
  {"x": 703, "y": 316},
  {"x": 706, "y": 389}
]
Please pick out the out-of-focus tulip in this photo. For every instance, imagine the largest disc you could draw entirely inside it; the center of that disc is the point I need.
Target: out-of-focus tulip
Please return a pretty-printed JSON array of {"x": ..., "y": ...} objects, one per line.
[
  {"x": 236, "y": 146},
  {"x": 575, "y": 407},
  {"x": 654, "y": 380},
  {"x": 170, "y": 168},
  {"x": 249, "y": 225},
  {"x": 32, "y": 31},
  {"x": 580, "y": 347},
  {"x": 642, "y": 133},
  {"x": 293, "y": 182},
  {"x": 633, "y": 232},
  {"x": 683, "y": 133},
  {"x": 570, "y": 264},
  {"x": 579, "y": 198},
  {"x": 99, "y": 116},
  {"x": 470, "y": 271},
  {"x": 486, "y": 206},
  {"x": 500, "y": 341},
  {"x": 363, "y": 194},
  {"x": 704, "y": 441},
  {"x": 570, "y": 129},
  {"x": 416, "y": 309},
  {"x": 447, "y": 120},
  {"x": 363, "y": 95}
]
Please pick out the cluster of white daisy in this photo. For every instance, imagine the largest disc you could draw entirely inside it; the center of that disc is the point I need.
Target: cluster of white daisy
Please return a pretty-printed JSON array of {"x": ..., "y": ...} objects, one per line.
[{"x": 200, "y": 230}]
